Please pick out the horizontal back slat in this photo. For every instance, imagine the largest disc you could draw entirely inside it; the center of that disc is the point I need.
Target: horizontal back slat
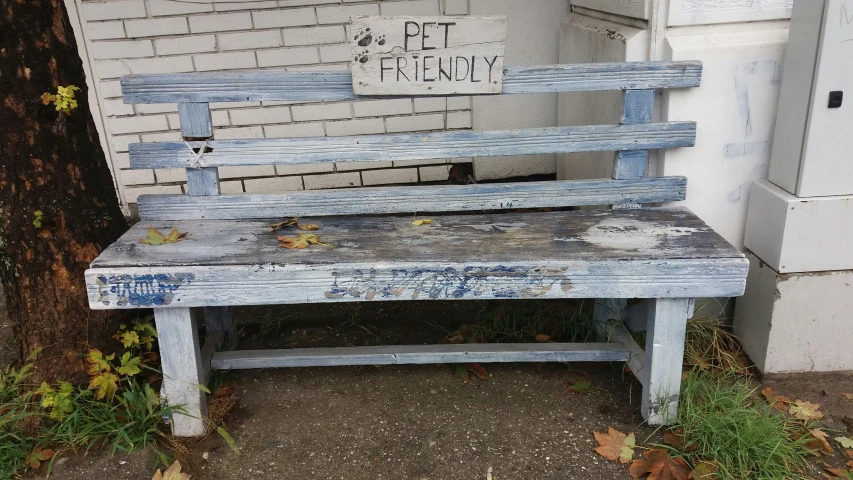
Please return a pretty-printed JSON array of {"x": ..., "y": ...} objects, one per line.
[
  {"x": 409, "y": 199},
  {"x": 458, "y": 144},
  {"x": 334, "y": 86}
]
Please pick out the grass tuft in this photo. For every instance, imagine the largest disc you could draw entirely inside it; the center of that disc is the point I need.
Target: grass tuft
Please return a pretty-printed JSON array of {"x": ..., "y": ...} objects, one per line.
[
  {"x": 742, "y": 435},
  {"x": 521, "y": 321}
]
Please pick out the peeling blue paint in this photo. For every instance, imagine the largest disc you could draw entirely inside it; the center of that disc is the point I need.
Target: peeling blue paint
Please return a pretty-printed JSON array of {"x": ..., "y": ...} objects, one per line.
[{"x": 147, "y": 290}]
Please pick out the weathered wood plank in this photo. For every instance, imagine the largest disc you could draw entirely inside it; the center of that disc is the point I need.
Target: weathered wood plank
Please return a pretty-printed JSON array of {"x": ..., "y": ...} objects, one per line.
[
  {"x": 211, "y": 344},
  {"x": 667, "y": 324},
  {"x": 220, "y": 320},
  {"x": 183, "y": 369},
  {"x": 422, "y": 55},
  {"x": 617, "y": 333},
  {"x": 638, "y": 107},
  {"x": 456, "y": 144},
  {"x": 421, "y": 354},
  {"x": 196, "y": 124},
  {"x": 331, "y": 86},
  {"x": 442, "y": 198}
]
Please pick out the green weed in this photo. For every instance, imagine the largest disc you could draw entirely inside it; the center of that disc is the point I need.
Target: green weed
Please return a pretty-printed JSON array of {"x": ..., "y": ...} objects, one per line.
[{"x": 523, "y": 321}]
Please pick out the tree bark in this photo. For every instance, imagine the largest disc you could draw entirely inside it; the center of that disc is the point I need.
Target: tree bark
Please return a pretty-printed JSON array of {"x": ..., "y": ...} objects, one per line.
[{"x": 51, "y": 163}]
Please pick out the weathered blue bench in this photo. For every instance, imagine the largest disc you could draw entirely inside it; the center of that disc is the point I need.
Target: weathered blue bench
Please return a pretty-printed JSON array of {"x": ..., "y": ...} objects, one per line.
[{"x": 667, "y": 255}]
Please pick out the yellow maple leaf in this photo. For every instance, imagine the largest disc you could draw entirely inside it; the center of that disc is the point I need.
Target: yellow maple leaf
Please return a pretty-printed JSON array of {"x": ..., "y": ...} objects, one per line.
[
  {"x": 805, "y": 410},
  {"x": 98, "y": 362},
  {"x": 104, "y": 385},
  {"x": 615, "y": 445}
]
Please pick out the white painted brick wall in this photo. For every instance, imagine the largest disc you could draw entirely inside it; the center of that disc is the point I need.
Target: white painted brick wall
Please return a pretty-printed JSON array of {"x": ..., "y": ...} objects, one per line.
[{"x": 169, "y": 36}]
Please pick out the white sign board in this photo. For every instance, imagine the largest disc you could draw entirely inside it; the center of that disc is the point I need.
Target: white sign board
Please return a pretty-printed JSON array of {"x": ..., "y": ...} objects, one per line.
[{"x": 427, "y": 55}]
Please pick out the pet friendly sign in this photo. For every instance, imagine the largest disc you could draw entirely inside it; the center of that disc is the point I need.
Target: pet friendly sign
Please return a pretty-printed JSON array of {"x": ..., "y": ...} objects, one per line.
[{"x": 427, "y": 55}]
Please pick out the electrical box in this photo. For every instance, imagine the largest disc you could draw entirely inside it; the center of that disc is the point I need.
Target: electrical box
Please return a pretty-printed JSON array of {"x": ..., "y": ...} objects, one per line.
[{"x": 813, "y": 144}]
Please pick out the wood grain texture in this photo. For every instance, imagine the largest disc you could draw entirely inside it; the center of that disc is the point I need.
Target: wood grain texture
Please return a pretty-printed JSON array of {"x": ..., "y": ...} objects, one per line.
[
  {"x": 648, "y": 253},
  {"x": 196, "y": 124},
  {"x": 454, "y": 144},
  {"x": 332, "y": 86},
  {"x": 423, "y": 55},
  {"x": 410, "y": 199},
  {"x": 203, "y": 182},
  {"x": 211, "y": 343},
  {"x": 183, "y": 369},
  {"x": 221, "y": 320},
  {"x": 421, "y": 354},
  {"x": 665, "y": 335},
  {"x": 637, "y": 108}
]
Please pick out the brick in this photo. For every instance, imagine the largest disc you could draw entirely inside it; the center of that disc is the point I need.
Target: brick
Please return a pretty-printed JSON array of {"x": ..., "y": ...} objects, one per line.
[
  {"x": 294, "y": 17},
  {"x": 137, "y": 177},
  {"x": 121, "y": 160},
  {"x": 430, "y": 104},
  {"x": 228, "y": 6},
  {"x": 224, "y": 61},
  {"x": 412, "y": 124},
  {"x": 219, "y": 118},
  {"x": 219, "y": 105},
  {"x": 221, "y": 22},
  {"x": 459, "y": 119},
  {"x": 155, "y": 27},
  {"x": 114, "y": 10},
  {"x": 168, "y": 7},
  {"x": 149, "y": 108},
  {"x": 111, "y": 68},
  {"x": 332, "y": 180},
  {"x": 122, "y": 49},
  {"x": 321, "y": 111},
  {"x": 418, "y": 163},
  {"x": 162, "y": 137},
  {"x": 326, "y": 67},
  {"x": 335, "y": 53},
  {"x": 120, "y": 142},
  {"x": 376, "y": 108},
  {"x": 273, "y": 185},
  {"x": 389, "y": 176},
  {"x": 341, "y": 13},
  {"x": 365, "y": 126},
  {"x": 250, "y": 171},
  {"x": 236, "y": 133},
  {"x": 116, "y": 107},
  {"x": 344, "y": 166},
  {"x": 171, "y": 175},
  {"x": 458, "y": 103},
  {"x": 110, "y": 88},
  {"x": 294, "y": 130},
  {"x": 287, "y": 56},
  {"x": 313, "y": 35},
  {"x": 105, "y": 30},
  {"x": 412, "y": 7},
  {"x": 260, "y": 116},
  {"x": 131, "y": 195},
  {"x": 247, "y": 40},
  {"x": 179, "y": 64},
  {"x": 299, "y": 3},
  {"x": 231, "y": 187},
  {"x": 148, "y": 123},
  {"x": 437, "y": 173},
  {"x": 185, "y": 44},
  {"x": 304, "y": 168},
  {"x": 456, "y": 7}
]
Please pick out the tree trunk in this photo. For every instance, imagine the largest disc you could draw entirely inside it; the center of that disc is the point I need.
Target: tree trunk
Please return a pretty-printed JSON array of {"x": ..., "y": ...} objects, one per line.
[{"x": 51, "y": 163}]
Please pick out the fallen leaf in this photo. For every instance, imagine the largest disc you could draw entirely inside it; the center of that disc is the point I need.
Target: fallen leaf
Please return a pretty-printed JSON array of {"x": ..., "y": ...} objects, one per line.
[
  {"x": 461, "y": 372},
  {"x": 818, "y": 441},
  {"x": 542, "y": 338},
  {"x": 155, "y": 237},
  {"x": 676, "y": 439},
  {"x": 848, "y": 395},
  {"x": 172, "y": 473},
  {"x": 660, "y": 466},
  {"x": 302, "y": 241},
  {"x": 838, "y": 473},
  {"x": 778, "y": 402},
  {"x": 805, "y": 410},
  {"x": 477, "y": 370},
  {"x": 845, "y": 442},
  {"x": 615, "y": 445},
  {"x": 849, "y": 453},
  {"x": 704, "y": 470},
  {"x": 37, "y": 456},
  {"x": 580, "y": 386},
  {"x": 418, "y": 223},
  {"x": 286, "y": 223},
  {"x": 308, "y": 226}
]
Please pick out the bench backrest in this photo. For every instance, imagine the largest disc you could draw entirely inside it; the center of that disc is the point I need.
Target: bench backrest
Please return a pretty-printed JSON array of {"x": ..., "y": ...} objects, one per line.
[{"x": 631, "y": 140}]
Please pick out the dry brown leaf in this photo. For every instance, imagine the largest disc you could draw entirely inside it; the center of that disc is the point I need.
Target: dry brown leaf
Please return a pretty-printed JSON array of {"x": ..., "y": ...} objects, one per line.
[
  {"x": 615, "y": 445},
  {"x": 837, "y": 473},
  {"x": 172, "y": 473},
  {"x": 849, "y": 453},
  {"x": 779, "y": 402},
  {"x": 676, "y": 439},
  {"x": 302, "y": 241},
  {"x": 848, "y": 395},
  {"x": 288, "y": 222},
  {"x": 660, "y": 466},
  {"x": 308, "y": 226},
  {"x": 818, "y": 441},
  {"x": 542, "y": 338},
  {"x": 704, "y": 471},
  {"x": 477, "y": 370},
  {"x": 805, "y": 410}
]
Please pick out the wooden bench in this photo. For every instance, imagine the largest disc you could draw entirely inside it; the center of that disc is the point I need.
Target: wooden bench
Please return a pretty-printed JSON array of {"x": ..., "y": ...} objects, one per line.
[{"x": 667, "y": 255}]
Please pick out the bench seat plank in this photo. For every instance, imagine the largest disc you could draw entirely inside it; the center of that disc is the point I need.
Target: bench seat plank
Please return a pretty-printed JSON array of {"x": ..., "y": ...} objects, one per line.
[
  {"x": 650, "y": 253},
  {"x": 412, "y": 198}
]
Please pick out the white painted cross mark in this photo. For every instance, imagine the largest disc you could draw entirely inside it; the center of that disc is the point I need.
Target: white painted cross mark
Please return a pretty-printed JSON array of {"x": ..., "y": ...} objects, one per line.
[{"x": 427, "y": 55}]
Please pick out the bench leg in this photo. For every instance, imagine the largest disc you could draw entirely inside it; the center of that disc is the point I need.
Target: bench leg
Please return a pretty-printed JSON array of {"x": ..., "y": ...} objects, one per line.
[
  {"x": 183, "y": 371},
  {"x": 667, "y": 324},
  {"x": 607, "y": 309},
  {"x": 221, "y": 319}
]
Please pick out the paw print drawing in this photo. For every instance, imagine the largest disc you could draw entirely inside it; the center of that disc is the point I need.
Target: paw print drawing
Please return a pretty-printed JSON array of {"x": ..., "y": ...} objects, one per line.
[
  {"x": 380, "y": 39},
  {"x": 361, "y": 57},
  {"x": 364, "y": 38}
]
